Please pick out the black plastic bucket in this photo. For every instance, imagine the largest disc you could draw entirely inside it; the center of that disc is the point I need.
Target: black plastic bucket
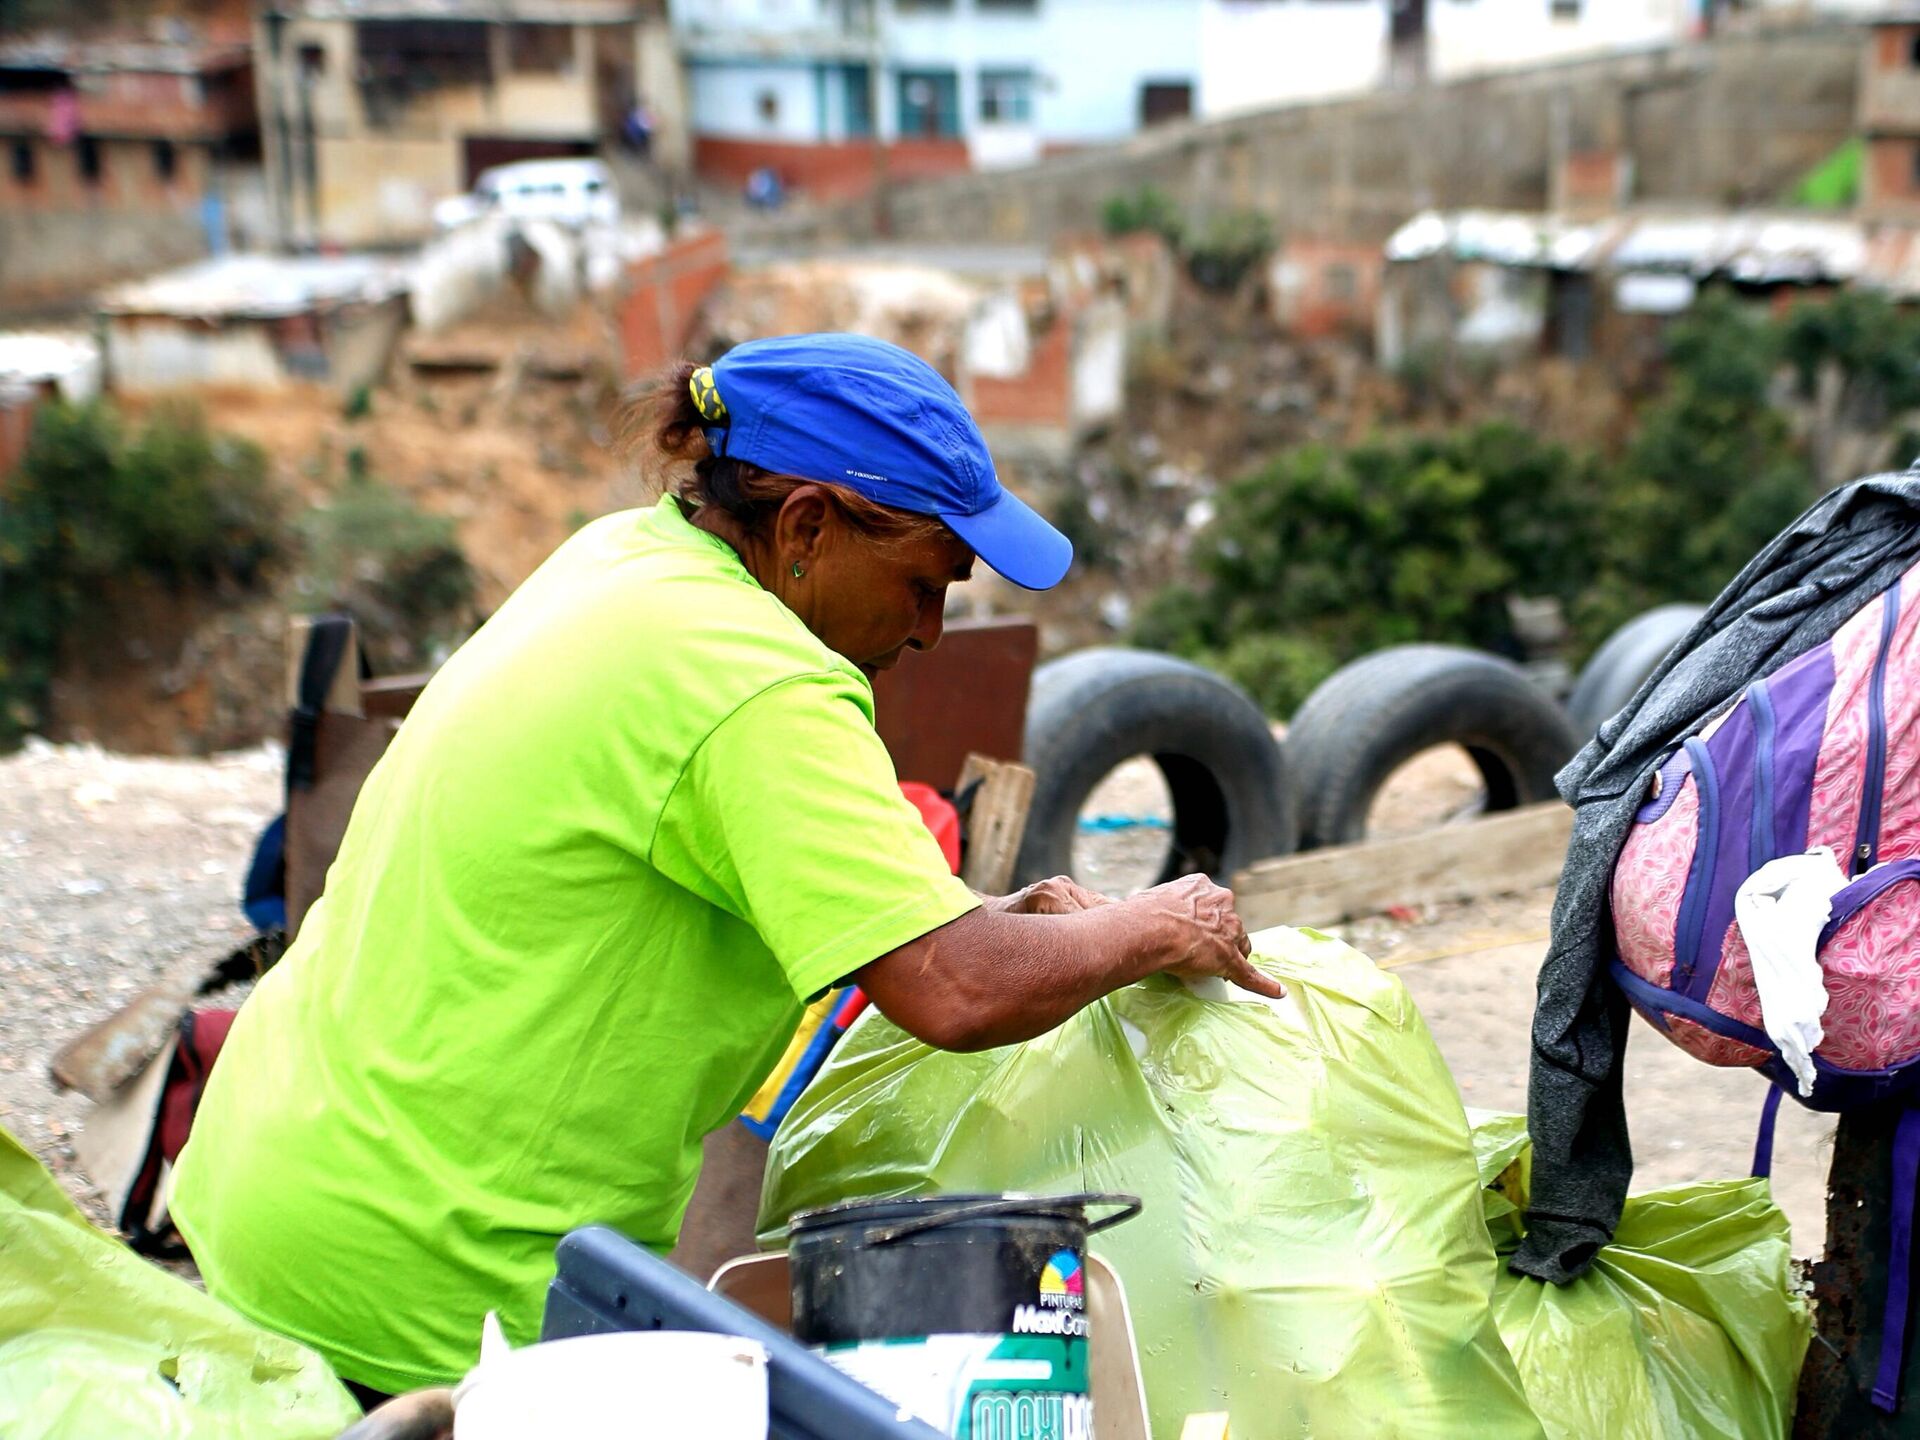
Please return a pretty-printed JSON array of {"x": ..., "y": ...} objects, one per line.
[{"x": 969, "y": 1310}]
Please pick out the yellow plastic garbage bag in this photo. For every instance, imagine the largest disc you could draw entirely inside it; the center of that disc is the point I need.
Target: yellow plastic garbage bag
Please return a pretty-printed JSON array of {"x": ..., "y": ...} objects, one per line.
[
  {"x": 98, "y": 1344},
  {"x": 1687, "y": 1327},
  {"x": 1312, "y": 1258}
]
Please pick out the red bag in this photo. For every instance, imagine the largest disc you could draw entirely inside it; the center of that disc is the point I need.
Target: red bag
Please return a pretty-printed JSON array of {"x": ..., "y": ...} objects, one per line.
[{"x": 138, "y": 1210}]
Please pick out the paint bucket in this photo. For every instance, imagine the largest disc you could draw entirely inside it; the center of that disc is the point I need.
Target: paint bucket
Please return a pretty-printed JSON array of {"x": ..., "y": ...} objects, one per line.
[{"x": 968, "y": 1310}]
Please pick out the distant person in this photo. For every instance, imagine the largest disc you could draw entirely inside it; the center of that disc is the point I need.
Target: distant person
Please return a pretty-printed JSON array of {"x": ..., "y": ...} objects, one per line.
[
  {"x": 764, "y": 190},
  {"x": 637, "y": 129}
]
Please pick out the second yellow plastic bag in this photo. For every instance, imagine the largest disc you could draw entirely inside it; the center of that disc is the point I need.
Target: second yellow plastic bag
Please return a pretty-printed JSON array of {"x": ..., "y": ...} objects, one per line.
[
  {"x": 98, "y": 1344},
  {"x": 1687, "y": 1327},
  {"x": 1312, "y": 1258}
]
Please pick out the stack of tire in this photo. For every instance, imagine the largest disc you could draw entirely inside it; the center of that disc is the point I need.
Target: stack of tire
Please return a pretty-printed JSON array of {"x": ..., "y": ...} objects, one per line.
[{"x": 1239, "y": 795}]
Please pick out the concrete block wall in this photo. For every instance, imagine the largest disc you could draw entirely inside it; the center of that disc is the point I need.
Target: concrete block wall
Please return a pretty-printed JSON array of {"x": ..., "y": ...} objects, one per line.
[
  {"x": 1733, "y": 120},
  {"x": 54, "y": 256}
]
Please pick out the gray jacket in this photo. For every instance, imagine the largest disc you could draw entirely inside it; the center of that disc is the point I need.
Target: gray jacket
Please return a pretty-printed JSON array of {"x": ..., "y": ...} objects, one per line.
[{"x": 1848, "y": 547}]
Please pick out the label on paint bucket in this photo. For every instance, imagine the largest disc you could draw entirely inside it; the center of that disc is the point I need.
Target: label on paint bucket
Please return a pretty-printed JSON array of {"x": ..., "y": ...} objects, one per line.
[
  {"x": 1027, "y": 1384},
  {"x": 980, "y": 1387}
]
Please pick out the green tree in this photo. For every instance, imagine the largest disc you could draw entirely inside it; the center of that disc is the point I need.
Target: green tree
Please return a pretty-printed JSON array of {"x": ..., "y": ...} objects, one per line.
[
  {"x": 1323, "y": 554},
  {"x": 1711, "y": 474}
]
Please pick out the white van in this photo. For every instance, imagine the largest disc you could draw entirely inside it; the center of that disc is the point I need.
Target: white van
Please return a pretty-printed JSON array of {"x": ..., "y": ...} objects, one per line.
[{"x": 568, "y": 192}]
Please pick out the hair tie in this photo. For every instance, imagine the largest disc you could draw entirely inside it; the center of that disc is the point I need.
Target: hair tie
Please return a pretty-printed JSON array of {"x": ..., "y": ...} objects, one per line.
[{"x": 706, "y": 396}]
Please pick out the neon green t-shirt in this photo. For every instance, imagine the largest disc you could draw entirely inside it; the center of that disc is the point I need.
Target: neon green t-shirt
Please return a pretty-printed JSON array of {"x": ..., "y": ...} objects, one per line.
[{"x": 627, "y": 830}]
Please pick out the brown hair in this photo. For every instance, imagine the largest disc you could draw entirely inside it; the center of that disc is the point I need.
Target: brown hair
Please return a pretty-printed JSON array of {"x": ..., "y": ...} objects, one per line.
[{"x": 661, "y": 427}]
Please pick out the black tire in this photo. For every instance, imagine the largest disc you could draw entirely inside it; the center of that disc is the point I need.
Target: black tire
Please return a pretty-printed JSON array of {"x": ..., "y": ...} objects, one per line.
[
  {"x": 1091, "y": 710},
  {"x": 1374, "y": 715},
  {"x": 1624, "y": 661}
]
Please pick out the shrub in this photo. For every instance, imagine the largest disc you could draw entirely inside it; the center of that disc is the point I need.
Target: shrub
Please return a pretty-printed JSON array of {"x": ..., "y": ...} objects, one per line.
[
  {"x": 1323, "y": 554},
  {"x": 93, "y": 502},
  {"x": 1228, "y": 249},
  {"x": 1710, "y": 476},
  {"x": 1147, "y": 208},
  {"x": 399, "y": 571}
]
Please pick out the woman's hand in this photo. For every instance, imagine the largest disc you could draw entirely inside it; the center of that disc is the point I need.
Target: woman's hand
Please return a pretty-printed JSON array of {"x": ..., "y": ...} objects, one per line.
[
  {"x": 1204, "y": 934},
  {"x": 1056, "y": 896}
]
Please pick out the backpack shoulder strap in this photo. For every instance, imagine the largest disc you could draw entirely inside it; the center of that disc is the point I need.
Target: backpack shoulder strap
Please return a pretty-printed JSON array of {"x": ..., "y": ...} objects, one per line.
[{"x": 1763, "y": 1142}]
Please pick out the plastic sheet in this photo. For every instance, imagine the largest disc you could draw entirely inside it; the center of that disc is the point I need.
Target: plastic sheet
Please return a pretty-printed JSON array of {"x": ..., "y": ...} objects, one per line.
[
  {"x": 1687, "y": 1327},
  {"x": 97, "y": 1342},
  {"x": 1313, "y": 1258}
]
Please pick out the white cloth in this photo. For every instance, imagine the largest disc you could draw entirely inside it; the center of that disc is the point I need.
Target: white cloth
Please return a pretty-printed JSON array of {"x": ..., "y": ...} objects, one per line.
[{"x": 1781, "y": 909}]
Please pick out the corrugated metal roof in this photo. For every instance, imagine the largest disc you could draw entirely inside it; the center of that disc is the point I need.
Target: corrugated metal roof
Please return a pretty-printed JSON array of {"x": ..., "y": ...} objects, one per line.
[
  {"x": 259, "y": 286},
  {"x": 1747, "y": 246},
  {"x": 1504, "y": 237}
]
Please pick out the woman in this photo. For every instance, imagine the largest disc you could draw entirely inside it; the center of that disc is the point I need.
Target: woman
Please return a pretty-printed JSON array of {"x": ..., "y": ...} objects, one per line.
[{"x": 627, "y": 831}]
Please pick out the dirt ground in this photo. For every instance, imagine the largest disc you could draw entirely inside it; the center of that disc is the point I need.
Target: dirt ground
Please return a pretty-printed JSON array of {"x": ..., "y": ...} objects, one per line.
[{"x": 116, "y": 870}]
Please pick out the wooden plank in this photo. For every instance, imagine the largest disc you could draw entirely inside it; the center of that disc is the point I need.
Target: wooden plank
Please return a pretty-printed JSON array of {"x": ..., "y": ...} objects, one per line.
[
  {"x": 106, "y": 1056},
  {"x": 1495, "y": 855},
  {"x": 997, "y": 822}
]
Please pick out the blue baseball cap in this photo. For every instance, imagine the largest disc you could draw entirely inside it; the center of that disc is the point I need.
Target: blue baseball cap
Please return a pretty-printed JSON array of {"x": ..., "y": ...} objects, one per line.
[{"x": 854, "y": 411}]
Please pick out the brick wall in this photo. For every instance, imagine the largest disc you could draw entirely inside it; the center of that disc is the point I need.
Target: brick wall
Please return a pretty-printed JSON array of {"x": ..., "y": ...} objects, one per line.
[
  {"x": 663, "y": 299},
  {"x": 16, "y": 423},
  {"x": 129, "y": 177},
  {"x": 1041, "y": 397},
  {"x": 1317, "y": 288},
  {"x": 1891, "y": 184},
  {"x": 826, "y": 171}
]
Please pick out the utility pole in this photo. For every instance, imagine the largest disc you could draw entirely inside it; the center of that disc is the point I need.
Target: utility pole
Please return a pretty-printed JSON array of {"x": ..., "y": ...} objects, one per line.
[{"x": 876, "y": 48}]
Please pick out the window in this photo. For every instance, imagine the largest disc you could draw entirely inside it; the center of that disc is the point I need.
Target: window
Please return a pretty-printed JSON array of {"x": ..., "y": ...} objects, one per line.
[
  {"x": 88, "y": 155},
  {"x": 33, "y": 80},
  {"x": 857, "y": 90},
  {"x": 1564, "y": 9},
  {"x": 166, "y": 161},
  {"x": 539, "y": 49},
  {"x": 768, "y": 106},
  {"x": 25, "y": 166},
  {"x": 1342, "y": 283},
  {"x": 313, "y": 61},
  {"x": 1006, "y": 97},
  {"x": 929, "y": 104},
  {"x": 1162, "y": 100},
  {"x": 1913, "y": 50},
  {"x": 1027, "y": 6},
  {"x": 414, "y": 55},
  {"x": 1915, "y": 154},
  {"x": 910, "y": 7}
]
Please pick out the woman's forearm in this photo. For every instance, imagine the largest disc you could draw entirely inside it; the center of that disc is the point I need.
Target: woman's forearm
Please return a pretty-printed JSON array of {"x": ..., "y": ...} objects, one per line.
[{"x": 995, "y": 978}]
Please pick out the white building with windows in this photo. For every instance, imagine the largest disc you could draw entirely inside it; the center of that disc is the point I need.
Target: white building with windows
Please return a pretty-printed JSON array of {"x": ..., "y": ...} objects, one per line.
[
  {"x": 945, "y": 83},
  {"x": 807, "y": 86}
]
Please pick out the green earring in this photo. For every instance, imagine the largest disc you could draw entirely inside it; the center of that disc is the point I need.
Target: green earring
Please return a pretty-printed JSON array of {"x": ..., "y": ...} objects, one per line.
[{"x": 797, "y": 571}]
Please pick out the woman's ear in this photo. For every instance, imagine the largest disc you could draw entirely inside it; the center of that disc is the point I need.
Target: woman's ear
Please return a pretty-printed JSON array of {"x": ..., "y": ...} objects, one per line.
[{"x": 801, "y": 530}]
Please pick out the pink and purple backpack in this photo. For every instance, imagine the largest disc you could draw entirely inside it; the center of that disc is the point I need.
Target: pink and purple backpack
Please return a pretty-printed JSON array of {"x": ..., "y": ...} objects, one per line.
[{"x": 1822, "y": 752}]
